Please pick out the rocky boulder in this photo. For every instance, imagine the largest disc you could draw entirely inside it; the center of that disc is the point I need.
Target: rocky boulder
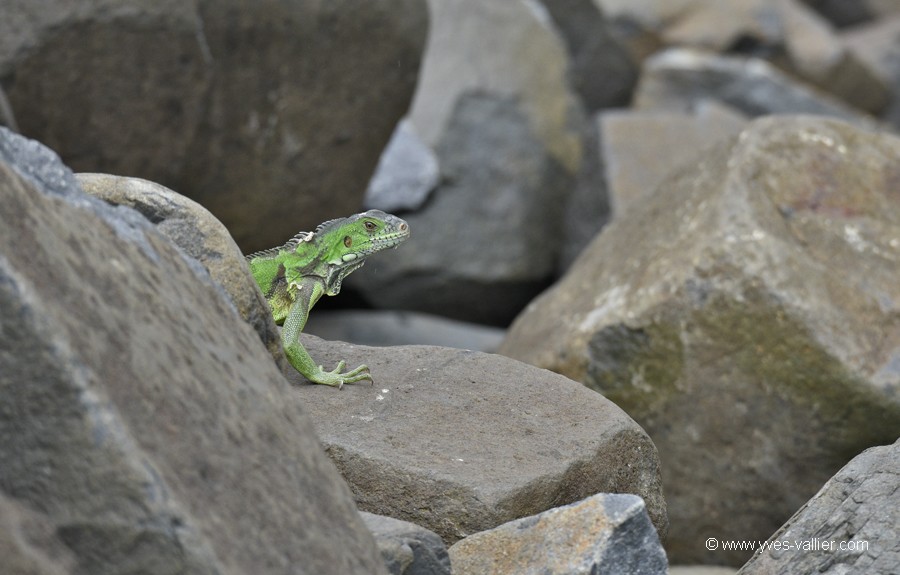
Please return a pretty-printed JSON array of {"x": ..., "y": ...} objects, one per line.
[
  {"x": 604, "y": 533},
  {"x": 746, "y": 317},
  {"x": 256, "y": 111},
  {"x": 201, "y": 236},
  {"x": 143, "y": 425},
  {"x": 490, "y": 237},
  {"x": 461, "y": 442},
  {"x": 878, "y": 44},
  {"x": 849, "y": 526},
  {"x": 406, "y": 548},
  {"x": 495, "y": 104}
]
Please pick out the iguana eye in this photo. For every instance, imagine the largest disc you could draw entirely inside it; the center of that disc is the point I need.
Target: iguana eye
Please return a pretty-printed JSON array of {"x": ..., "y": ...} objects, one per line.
[
  {"x": 348, "y": 241},
  {"x": 370, "y": 226}
]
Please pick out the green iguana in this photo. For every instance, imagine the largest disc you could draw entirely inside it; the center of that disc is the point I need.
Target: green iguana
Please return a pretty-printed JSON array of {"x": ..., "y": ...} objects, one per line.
[{"x": 294, "y": 276}]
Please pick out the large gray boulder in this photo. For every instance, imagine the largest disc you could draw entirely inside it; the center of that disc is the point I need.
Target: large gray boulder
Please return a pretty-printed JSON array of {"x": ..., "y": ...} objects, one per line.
[
  {"x": 852, "y": 525},
  {"x": 460, "y": 442},
  {"x": 271, "y": 114},
  {"x": 495, "y": 104},
  {"x": 144, "y": 426},
  {"x": 746, "y": 318},
  {"x": 489, "y": 238},
  {"x": 609, "y": 534},
  {"x": 201, "y": 236}
]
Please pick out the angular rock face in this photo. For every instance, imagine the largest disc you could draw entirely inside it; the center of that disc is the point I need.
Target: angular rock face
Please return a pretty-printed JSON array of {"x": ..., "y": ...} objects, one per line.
[
  {"x": 406, "y": 548},
  {"x": 747, "y": 318},
  {"x": 495, "y": 104},
  {"x": 502, "y": 185},
  {"x": 196, "y": 231},
  {"x": 142, "y": 422},
  {"x": 460, "y": 442},
  {"x": 602, "y": 534},
  {"x": 254, "y": 110},
  {"x": 851, "y": 526}
]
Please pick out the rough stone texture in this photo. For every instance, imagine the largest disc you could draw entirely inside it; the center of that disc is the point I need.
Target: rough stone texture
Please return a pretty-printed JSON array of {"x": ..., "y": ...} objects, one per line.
[
  {"x": 677, "y": 79},
  {"x": 256, "y": 110},
  {"x": 78, "y": 71},
  {"x": 495, "y": 104},
  {"x": 609, "y": 534},
  {"x": 201, "y": 236},
  {"x": 714, "y": 315},
  {"x": 503, "y": 193},
  {"x": 642, "y": 149},
  {"x": 460, "y": 442},
  {"x": 28, "y": 544},
  {"x": 852, "y": 525},
  {"x": 406, "y": 548},
  {"x": 141, "y": 421},
  {"x": 509, "y": 50},
  {"x": 407, "y": 173}
]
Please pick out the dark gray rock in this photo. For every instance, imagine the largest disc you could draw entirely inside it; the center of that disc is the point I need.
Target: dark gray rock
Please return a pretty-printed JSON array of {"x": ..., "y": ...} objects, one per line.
[
  {"x": 878, "y": 44},
  {"x": 713, "y": 314},
  {"x": 601, "y": 534},
  {"x": 842, "y": 13},
  {"x": 601, "y": 70},
  {"x": 495, "y": 103},
  {"x": 489, "y": 238},
  {"x": 460, "y": 442},
  {"x": 677, "y": 79},
  {"x": 407, "y": 173},
  {"x": 143, "y": 425},
  {"x": 850, "y": 526},
  {"x": 588, "y": 209},
  {"x": 508, "y": 51},
  {"x": 817, "y": 55},
  {"x": 384, "y": 328},
  {"x": 201, "y": 236},
  {"x": 406, "y": 548},
  {"x": 255, "y": 111}
]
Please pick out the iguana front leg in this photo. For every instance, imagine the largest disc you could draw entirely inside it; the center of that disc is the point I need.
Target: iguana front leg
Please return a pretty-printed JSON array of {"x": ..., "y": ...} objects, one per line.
[{"x": 307, "y": 294}]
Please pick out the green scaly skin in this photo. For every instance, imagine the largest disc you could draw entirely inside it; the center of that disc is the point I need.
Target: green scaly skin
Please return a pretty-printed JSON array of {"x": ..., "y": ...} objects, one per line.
[{"x": 294, "y": 276}]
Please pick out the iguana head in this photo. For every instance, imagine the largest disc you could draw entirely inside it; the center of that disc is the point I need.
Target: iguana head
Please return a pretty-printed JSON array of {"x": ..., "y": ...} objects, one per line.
[{"x": 346, "y": 243}]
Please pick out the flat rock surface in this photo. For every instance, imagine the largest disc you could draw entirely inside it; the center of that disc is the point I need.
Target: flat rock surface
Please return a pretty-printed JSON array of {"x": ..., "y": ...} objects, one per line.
[
  {"x": 460, "y": 442},
  {"x": 143, "y": 424}
]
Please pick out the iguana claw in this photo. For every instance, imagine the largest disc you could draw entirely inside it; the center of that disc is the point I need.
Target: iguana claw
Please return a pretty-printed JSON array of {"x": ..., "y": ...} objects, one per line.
[{"x": 337, "y": 379}]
